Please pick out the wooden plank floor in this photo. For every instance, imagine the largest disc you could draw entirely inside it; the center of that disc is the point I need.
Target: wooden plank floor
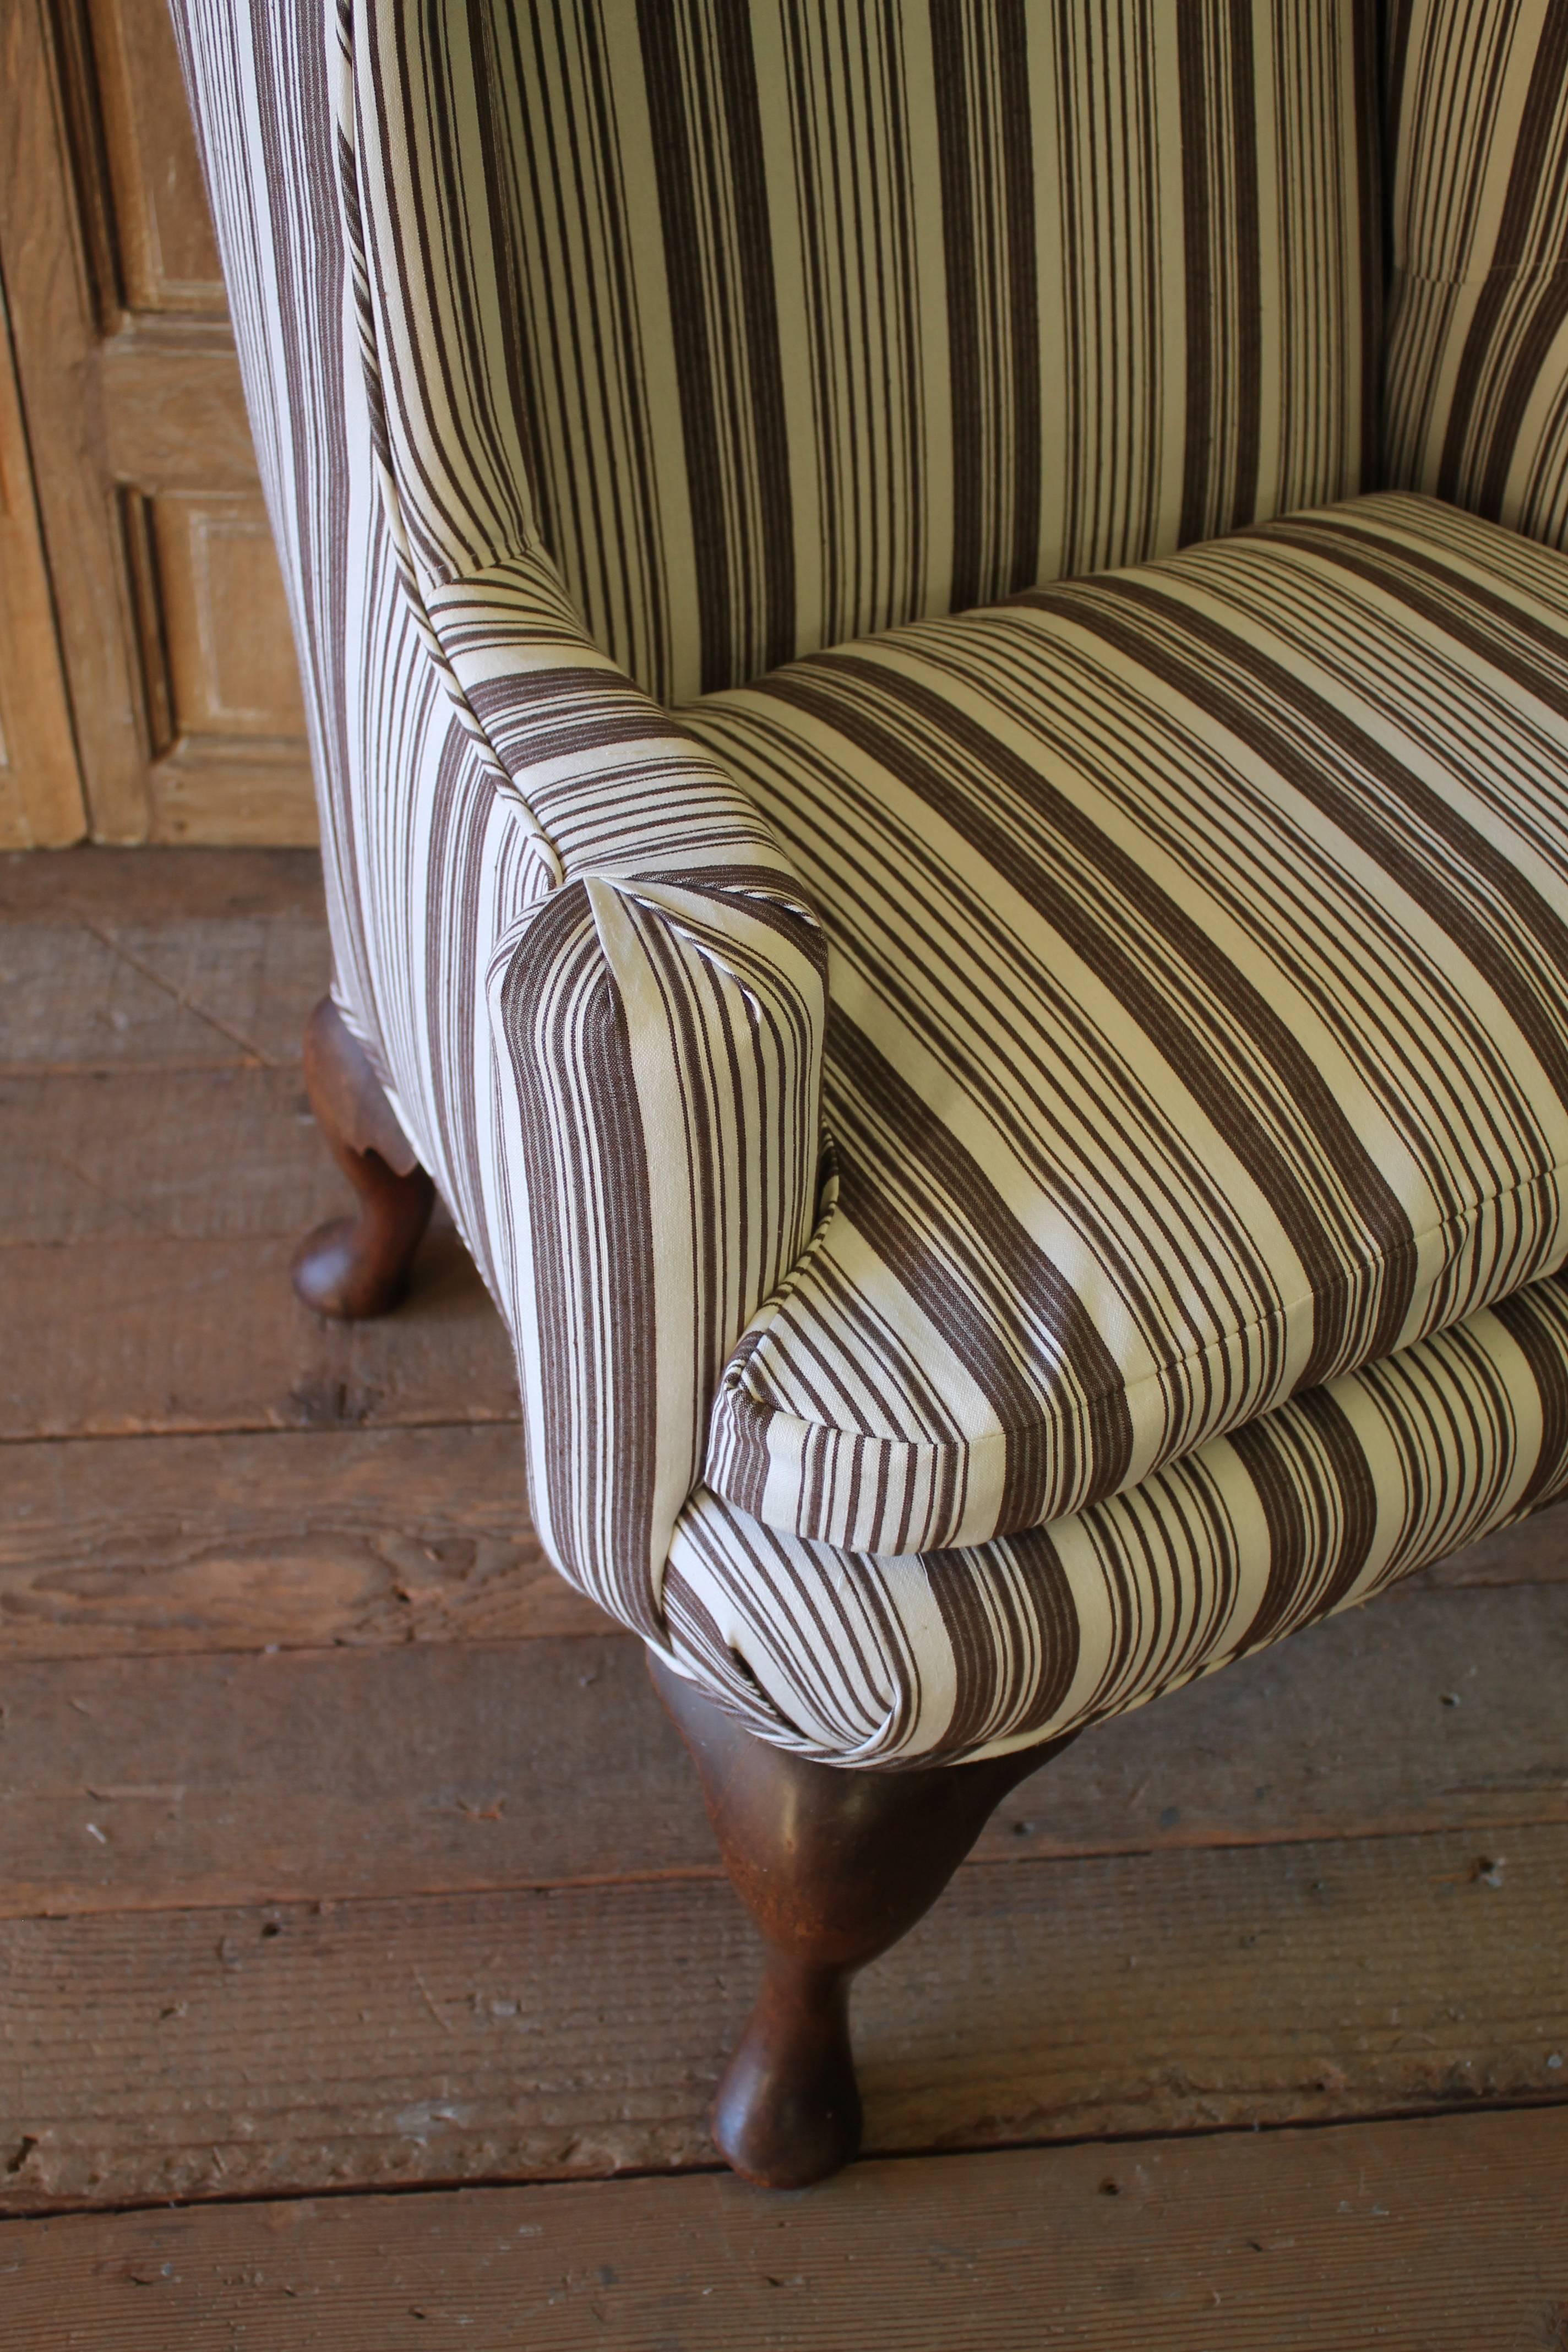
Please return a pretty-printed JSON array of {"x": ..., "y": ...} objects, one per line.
[{"x": 346, "y": 1850}]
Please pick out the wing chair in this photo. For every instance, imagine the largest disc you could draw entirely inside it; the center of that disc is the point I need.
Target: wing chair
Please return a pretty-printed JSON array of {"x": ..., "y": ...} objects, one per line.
[{"x": 938, "y": 665}]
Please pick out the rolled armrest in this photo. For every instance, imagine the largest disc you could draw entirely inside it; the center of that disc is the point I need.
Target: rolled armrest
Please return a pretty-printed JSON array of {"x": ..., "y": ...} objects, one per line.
[
  {"x": 658, "y": 1015},
  {"x": 663, "y": 1037}
]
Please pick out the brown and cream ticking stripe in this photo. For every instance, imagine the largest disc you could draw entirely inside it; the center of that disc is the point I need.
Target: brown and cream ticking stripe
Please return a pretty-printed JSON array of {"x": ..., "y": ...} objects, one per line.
[
  {"x": 1022, "y": 1152},
  {"x": 781, "y": 324},
  {"x": 1478, "y": 356},
  {"x": 1198, "y": 1028},
  {"x": 1315, "y": 1508}
]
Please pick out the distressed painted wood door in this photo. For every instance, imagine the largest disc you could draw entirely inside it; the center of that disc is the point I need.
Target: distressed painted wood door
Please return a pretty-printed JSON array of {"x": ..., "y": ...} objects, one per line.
[{"x": 171, "y": 620}]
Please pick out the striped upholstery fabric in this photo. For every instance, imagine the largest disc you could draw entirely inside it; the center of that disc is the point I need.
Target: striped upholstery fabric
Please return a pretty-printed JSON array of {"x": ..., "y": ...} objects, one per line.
[
  {"x": 1199, "y": 951},
  {"x": 783, "y": 323},
  {"x": 1314, "y": 1508},
  {"x": 605, "y": 362},
  {"x": 661, "y": 997},
  {"x": 1478, "y": 358}
]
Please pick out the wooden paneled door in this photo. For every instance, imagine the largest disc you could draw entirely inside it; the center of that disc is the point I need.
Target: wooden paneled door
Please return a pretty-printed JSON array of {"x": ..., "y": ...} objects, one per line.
[
  {"x": 40, "y": 784},
  {"x": 167, "y": 604}
]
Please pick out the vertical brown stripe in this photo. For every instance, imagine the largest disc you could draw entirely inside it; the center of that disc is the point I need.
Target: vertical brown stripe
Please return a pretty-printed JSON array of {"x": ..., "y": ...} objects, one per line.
[
  {"x": 1374, "y": 229},
  {"x": 764, "y": 422},
  {"x": 1198, "y": 193},
  {"x": 494, "y": 143},
  {"x": 707, "y": 138},
  {"x": 1247, "y": 317},
  {"x": 566, "y": 1028},
  {"x": 1399, "y": 14},
  {"x": 1017, "y": 135},
  {"x": 1221, "y": 200},
  {"x": 676, "y": 164},
  {"x": 1531, "y": 158},
  {"x": 950, "y": 21},
  {"x": 1071, "y": 391},
  {"x": 1033, "y": 1613},
  {"x": 985, "y": 145}
]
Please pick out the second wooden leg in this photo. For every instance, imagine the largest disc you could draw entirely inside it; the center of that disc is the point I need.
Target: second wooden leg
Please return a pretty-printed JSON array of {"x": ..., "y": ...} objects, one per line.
[
  {"x": 358, "y": 1265},
  {"x": 834, "y": 1866}
]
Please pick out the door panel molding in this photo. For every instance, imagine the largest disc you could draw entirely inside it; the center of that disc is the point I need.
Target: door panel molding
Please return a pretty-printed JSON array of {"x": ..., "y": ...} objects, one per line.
[
  {"x": 173, "y": 625},
  {"x": 53, "y": 287},
  {"x": 166, "y": 252},
  {"x": 41, "y": 804}
]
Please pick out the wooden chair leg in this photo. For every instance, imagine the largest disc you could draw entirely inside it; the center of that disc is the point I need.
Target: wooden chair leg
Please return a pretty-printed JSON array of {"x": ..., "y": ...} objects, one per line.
[
  {"x": 834, "y": 1866},
  {"x": 358, "y": 1265}
]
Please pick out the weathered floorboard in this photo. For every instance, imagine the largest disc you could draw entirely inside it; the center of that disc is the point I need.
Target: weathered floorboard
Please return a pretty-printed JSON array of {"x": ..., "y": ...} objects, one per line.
[
  {"x": 158, "y": 959},
  {"x": 439, "y": 1767},
  {"x": 254, "y": 978},
  {"x": 149, "y": 1218},
  {"x": 193, "y": 995},
  {"x": 302, "y": 1538},
  {"x": 580, "y": 2030},
  {"x": 440, "y": 1903},
  {"x": 1444, "y": 2234},
  {"x": 159, "y": 886},
  {"x": 187, "y": 1155},
  {"x": 292, "y": 1539},
  {"x": 67, "y": 1001},
  {"x": 181, "y": 1335}
]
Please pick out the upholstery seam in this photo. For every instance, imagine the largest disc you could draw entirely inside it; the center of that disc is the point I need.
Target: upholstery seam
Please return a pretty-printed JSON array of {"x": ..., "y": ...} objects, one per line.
[{"x": 760, "y": 1416}]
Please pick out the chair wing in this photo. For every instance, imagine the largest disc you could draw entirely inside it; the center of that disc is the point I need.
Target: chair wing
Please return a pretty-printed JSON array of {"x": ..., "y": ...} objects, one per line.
[
  {"x": 659, "y": 1005},
  {"x": 1475, "y": 408}
]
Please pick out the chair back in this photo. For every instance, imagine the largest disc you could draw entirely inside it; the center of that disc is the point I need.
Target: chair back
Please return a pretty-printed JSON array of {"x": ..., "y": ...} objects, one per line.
[
  {"x": 803, "y": 320},
  {"x": 1477, "y": 347}
]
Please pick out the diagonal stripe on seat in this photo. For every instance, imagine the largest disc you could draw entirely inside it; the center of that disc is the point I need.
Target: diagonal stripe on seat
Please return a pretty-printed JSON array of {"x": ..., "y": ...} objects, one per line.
[{"x": 1199, "y": 1029}]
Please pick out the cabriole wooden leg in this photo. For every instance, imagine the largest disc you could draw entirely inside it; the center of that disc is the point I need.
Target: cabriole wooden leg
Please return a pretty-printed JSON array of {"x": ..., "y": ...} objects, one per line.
[
  {"x": 834, "y": 1866},
  {"x": 358, "y": 1265}
]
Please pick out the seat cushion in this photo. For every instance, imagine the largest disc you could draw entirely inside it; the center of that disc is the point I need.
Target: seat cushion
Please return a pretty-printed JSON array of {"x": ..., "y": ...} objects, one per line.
[
  {"x": 962, "y": 1654},
  {"x": 1199, "y": 1029}
]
